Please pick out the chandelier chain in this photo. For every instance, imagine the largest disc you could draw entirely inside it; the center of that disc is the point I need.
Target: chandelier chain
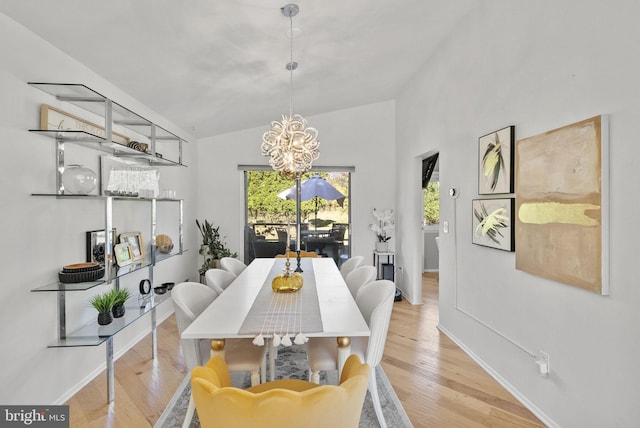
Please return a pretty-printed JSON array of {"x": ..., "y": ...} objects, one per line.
[{"x": 291, "y": 67}]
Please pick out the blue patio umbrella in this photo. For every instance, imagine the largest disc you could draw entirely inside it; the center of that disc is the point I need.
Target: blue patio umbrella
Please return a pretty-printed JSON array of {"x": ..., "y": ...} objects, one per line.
[{"x": 314, "y": 187}]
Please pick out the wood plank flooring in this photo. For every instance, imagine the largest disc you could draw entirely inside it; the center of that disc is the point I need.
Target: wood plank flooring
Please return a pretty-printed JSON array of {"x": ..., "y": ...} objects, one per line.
[{"x": 437, "y": 383}]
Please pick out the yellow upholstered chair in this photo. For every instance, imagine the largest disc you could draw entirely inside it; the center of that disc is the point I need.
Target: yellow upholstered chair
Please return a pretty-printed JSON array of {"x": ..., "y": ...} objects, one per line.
[
  {"x": 287, "y": 403},
  {"x": 293, "y": 255}
]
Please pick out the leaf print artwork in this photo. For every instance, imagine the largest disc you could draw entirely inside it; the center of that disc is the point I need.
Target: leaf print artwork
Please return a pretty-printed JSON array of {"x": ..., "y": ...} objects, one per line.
[
  {"x": 492, "y": 223},
  {"x": 493, "y": 161}
]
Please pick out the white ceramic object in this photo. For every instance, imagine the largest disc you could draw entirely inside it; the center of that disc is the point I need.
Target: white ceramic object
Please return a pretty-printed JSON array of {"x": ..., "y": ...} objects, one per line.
[{"x": 79, "y": 180}]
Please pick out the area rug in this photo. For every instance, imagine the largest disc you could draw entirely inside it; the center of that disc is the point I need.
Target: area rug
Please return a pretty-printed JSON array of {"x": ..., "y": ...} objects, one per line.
[{"x": 292, "y": 364}]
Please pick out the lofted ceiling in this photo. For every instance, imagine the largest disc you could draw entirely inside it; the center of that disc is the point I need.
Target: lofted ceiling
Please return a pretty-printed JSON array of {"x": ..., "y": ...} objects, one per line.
[{"x": 215, "y": 66}]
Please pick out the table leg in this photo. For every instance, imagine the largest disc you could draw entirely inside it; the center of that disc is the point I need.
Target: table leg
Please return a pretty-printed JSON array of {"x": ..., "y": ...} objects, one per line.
[
  {"x": 272, "y": 361},
  {"x": 344, "y": 350},
  {"x": 217, "y": 348}
]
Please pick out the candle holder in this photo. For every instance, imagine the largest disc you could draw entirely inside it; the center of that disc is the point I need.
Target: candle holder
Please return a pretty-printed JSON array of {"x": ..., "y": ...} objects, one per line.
[{"x": 287, "y": 281}]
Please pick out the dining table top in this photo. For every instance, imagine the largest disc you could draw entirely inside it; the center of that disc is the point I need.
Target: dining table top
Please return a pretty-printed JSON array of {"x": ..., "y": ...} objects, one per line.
[{"x": 324, "y": 307}]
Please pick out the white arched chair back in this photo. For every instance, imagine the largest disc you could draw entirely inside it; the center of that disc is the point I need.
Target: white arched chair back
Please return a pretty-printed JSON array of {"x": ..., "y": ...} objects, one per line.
[
  {"x": 358, "y": 277},
  {"x": 375, "y": 301},
  {"x": 218, "y": 279},
  {"x": 190, "y": 299},
  {"x": 350, "y": 264},
  {"x": 233, "y": 265}
]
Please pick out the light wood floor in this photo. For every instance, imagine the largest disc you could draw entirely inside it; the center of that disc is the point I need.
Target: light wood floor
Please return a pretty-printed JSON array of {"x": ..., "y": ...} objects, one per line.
[{"x": 437, "y": 383}]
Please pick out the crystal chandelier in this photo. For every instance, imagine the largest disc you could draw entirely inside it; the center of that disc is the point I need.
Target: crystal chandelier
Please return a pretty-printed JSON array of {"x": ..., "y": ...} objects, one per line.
[{"x": 290, "y": 144}]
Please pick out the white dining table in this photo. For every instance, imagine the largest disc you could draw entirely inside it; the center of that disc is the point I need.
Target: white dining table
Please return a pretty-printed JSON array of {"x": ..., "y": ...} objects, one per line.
[{"x": 248, "y": 307}]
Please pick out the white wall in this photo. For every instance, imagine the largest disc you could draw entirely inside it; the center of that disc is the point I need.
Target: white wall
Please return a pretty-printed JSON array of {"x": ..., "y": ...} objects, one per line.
[
  {"x": 362, "y": 137},
  {"x": 41, "y": 234},
  {"x": 538, "y": 66}
]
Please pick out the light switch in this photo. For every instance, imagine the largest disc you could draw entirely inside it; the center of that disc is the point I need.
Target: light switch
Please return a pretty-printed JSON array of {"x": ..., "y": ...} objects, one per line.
[{"x": 445, "y": 226}]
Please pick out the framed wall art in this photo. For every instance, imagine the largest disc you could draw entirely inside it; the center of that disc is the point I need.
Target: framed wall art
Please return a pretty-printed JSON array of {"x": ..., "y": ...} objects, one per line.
[
  {"x": 123, "y": 253},
  {"x": 495, "y": 162},
  {"x": 135, "y": 240},
  {"x": 562, "y": 204},
  {"x": 493, "y": 223},
  {"x": 95, "y": 244},
  {"x": 52, "y": 118}
]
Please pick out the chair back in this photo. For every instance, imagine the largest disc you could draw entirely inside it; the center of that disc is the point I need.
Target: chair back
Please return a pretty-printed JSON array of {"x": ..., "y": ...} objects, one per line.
[
  {"x": 218, "y": 279},
  {"x": 287, "y": 403},
  {"x": 282, "y": 235},
  {"x": 375, "y": 301},
  {"x": 358, "y": 277},
  {"x": 350, "y": 264},
  {"x": 233, "y": 265},
  {"x": 189, "y": 300}
]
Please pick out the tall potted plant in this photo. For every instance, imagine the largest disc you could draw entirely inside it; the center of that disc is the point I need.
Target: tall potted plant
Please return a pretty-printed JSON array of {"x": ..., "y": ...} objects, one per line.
[{"x": 213, "y": 246}]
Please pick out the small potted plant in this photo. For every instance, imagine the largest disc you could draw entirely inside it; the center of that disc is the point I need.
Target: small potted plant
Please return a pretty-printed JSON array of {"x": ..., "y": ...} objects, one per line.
[
  {"x": 119, "y": 296},
  {"x": 103, "y": 304}
]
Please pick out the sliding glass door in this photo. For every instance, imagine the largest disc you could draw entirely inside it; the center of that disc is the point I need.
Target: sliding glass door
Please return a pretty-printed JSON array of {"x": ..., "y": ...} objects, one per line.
[{"x": 270, "y": 211}]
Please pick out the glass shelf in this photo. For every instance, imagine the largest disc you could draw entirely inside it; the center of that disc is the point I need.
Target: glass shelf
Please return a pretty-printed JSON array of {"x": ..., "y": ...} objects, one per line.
[
  {"x": 92, "y": 101},
  {"x": 94, "y": 334},
  {"x": 78, "y": 286},
  {"x": 96, "y": 142},
  {"x": 118, "y": 272},
  {"x": 101, "y": 197}
]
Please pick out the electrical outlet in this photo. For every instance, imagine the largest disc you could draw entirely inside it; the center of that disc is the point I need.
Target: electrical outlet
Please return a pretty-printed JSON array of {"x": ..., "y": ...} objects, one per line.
[{"x": 542, "y": 361}]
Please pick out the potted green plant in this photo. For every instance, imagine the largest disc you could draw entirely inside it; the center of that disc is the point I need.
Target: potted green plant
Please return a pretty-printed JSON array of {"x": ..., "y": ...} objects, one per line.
[
  {"x": 213, "y": 246},
  {"x": 103, "y": 304},
  {"x": 119, "y": 296}
]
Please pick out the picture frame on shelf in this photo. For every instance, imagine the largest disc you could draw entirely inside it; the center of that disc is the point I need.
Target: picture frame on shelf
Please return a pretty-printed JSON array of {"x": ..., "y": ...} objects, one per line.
[
  {"x": 124, "y": 254},
  {"x": 493, "y": 223},
  {"x": 54, "y": 119},
  {"x": 137, "y": 245},
  {"x": 95, "y": 244},
  {"x": 495, "y": 162}
]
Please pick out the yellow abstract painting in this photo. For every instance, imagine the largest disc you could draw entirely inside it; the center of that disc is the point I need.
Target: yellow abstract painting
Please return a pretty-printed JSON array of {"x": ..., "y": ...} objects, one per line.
[{"x": 561, "y": 205}]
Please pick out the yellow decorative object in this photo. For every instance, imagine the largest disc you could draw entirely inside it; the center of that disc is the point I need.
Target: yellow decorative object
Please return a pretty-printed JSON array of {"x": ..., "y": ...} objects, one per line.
[
  {"x": 287, "y": 282},
  {"x": 344, "y": 341},
  {"x": 287, "y": 403},
  {"x": 217, "y": 344}
]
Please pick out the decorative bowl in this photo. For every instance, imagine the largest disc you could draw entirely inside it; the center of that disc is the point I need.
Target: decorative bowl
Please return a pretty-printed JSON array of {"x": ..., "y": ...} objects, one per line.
[{"x": 160, "y": 289}]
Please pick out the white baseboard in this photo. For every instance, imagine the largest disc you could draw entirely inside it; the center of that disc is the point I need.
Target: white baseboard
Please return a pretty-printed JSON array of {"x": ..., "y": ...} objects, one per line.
[
  {"x": 525, "y": 402},
  {"x": 103, "y": 365}
]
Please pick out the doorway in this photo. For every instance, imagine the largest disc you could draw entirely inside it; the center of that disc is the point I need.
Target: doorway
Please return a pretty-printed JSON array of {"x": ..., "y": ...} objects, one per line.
[{"x": 431, "y": 213}]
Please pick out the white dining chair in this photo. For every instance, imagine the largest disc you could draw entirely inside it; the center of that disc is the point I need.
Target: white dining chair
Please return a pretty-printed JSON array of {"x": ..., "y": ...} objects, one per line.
[
  {"x": 375, "y": 301},
  {"x": 218, "y": 279},
  {"x": 360, "y": 276},
  {"x": 190, "y": 299},
  {"x": 350, "y": 264},
  {"x": 233, "y": 265}
]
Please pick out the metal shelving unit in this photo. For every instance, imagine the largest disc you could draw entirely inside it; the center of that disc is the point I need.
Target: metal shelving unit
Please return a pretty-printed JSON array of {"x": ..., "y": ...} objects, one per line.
[{"x": 93, "y": 334}]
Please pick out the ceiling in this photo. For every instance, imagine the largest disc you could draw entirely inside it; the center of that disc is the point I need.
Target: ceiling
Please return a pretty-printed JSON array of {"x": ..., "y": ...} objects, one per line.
[{"x": 215, "y": 66}]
